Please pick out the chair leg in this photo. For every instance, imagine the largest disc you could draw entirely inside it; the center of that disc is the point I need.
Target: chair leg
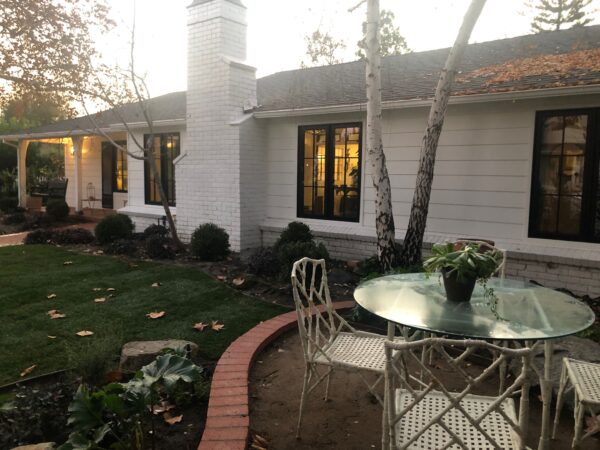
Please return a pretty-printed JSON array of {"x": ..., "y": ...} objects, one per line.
[
  {"x": 579, "y": 414},
  {"x": 307, "y": 370},
  {"x": 327, "y": 384},
  {"x": 564, "y": 380}
]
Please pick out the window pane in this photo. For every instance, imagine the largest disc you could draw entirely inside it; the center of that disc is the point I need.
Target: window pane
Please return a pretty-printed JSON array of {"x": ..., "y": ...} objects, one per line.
[
  {"x": 572, "y": 175},
  {"x": 166, "y": 147},
  {"x": 346, "y": 173},
  {"x": 575, "y": 129},
  {"x": 549, "y": 211},
  {"x": 549, "y": 175},
  {"x": 314, "y": 201},
  {"x": 569, "y": 216},
  {"x": 314, "y": 171}
]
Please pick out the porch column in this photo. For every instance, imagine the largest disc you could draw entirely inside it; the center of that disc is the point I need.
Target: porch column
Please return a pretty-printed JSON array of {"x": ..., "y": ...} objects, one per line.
[
  {"x": 77, "y": 150},
  {"x": 22, "y": 172}
]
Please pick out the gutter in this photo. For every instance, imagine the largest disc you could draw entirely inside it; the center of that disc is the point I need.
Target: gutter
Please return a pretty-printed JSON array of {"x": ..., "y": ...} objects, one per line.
[{"x": 513, "y": 96}]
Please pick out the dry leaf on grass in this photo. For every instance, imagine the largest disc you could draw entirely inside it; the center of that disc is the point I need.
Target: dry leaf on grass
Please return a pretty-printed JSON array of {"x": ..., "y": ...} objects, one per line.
[
  {"x": 100, "y": 299},
  {"x": 258, "y": 439},
  {"x": 132, "y": 266},
  {"x": 157, "y": 284},
  {"x": 155, "y": 315},
  {"x": 67, "y": 263},
  {"x": 50, "y": 296},
  {"x": 51, "y": 337},
  {"x": 200, "y": 326},
  {"x": 28, "y": 370},
  {"x": 238, "y": 281},
  {"x": 171, "y": 420},
  {"x": 222, "y": 277},
  {"x": 216, "y": 326},
  {"x": 84, "y": 333},
  {"x": 55, "y": 314},
  {"x": 96, "y": 289},
  {"x": 110, "y": 289}
]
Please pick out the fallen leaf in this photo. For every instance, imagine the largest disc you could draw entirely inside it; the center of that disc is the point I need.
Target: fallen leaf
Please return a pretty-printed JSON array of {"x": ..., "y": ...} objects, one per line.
[
  {"x": 222, "y": 277},
  {"x": 133, "y": 265},
  {"x": 260, "y": 440},
  {"x": 171, "y": 420},
  {"x": 157, "y": 284},
  {"x": 110, "y": 289},
  {"x": 238, "y": 281},
  {"x": 28, "y": 370},
  {"x": 50, "y": 296},
  {"x": 162, "y": 407},
  {"x": 54, "y": 314},
  {"x": 100, "y": 299},
  {"x": 96, "y": 289},
  {"x": 99, "y": 252},
  {"x": 51, "y": 337},
  {"x": 155, "y": 315},
  {"x": 200, "y": 326},
  {"x": 216, "y": 326},
  {"x": 84, "y": 333},
  {"x": 592, "y": 424},
  {"x": 67, "y": 263}
]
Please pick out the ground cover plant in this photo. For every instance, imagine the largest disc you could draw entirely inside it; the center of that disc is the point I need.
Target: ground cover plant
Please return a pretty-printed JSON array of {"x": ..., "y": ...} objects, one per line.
[{"x": 39, "y": 279}]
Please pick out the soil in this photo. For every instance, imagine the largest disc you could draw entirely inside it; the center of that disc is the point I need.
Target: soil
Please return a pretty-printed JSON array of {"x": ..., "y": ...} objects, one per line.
[{"x": 351, "y": 419}]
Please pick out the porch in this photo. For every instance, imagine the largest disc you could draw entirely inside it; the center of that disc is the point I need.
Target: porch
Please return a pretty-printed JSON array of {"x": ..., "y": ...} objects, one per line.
[{"x": 94, "y": 169}]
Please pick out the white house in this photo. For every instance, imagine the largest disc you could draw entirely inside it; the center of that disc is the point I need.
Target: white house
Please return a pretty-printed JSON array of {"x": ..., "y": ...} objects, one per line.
[{"x": 518, "y": 161}]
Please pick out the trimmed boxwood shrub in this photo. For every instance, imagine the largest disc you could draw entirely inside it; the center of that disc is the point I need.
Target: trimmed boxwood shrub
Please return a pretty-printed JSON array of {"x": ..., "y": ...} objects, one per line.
[
  {"x": 288, "y": 254},
  {"x": 210, "y": 242},
  {"x": 295, "y": 232},
  {"x": 113, "y": 227},
  {"x": 57, "y": 209},
  {"x": 8, "y": 204},
  {"x": 263, "y": 262},
  {"x": 40, "y": 236},
  {"x": 159, "y": 247},
  {"x": 155, "y": 230},
  {"x": 73, "y": 236}
]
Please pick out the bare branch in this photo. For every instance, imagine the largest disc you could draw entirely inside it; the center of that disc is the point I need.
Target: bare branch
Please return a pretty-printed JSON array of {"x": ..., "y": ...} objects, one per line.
[{"x": 355, "y": 7}]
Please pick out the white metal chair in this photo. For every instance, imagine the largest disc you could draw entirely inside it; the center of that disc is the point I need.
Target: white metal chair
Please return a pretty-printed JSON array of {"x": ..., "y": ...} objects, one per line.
[
  {"x": 429, "y": 414},
  {"x": 584, "y": 378},
  {"x": 327, "y": 339}
]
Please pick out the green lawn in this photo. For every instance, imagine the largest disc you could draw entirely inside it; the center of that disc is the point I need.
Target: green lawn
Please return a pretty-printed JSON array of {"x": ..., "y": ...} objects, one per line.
[{"x": 29, "y": 273}]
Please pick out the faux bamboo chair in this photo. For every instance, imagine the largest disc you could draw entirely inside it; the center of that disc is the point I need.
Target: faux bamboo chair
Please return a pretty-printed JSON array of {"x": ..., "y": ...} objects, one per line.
[
  {"x": 584, "y": 378},
  {"x": 428, "y": 414},
  {"x": 327, "y": 339}
]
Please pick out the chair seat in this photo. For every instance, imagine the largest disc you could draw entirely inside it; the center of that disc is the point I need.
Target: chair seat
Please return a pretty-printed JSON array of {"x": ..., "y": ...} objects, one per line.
[
  {"x": 360, "y": 351},
  {"x": 585, "y": 376},
  {"x": 436, "y": 437}
]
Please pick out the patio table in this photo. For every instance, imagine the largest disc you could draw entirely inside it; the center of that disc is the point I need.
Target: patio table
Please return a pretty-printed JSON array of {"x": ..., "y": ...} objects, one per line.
[{"x": 525, "y": 312}]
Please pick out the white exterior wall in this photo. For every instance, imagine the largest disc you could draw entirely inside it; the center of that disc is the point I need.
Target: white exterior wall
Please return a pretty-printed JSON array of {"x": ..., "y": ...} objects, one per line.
[
  {"x": 91, "y": 171},
  {"x": 482, "y": 176},
  {"x": 209, "y": 174}
]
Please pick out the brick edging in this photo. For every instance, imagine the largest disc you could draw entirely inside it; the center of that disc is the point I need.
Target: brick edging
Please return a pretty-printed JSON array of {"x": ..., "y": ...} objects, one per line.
[{"x": 227, "y": 420}]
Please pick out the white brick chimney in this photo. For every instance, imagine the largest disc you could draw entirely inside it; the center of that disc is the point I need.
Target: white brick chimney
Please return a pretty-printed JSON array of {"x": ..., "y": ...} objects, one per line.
[{"x": 219, "y": 85}]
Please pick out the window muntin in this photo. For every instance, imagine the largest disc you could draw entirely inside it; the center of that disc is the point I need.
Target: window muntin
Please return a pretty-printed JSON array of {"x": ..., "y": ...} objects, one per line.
[
  {"x": 329, "y": 172},
  {"x": 565, "y": 184},
  {"x": 166, "y": 148}
]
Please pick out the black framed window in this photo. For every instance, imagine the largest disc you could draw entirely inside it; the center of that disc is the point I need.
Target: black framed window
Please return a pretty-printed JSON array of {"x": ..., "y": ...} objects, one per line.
[
  {"x": 565, "y": 196},
  {"x": 120, "y": 169},
  {"x": 166, "y": 148},
  {"x": 329, "y": 162}
]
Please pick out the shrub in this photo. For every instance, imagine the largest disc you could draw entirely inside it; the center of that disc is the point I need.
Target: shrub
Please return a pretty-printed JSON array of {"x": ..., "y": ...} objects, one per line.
[
  {"x": 8, "y": 204},
  {"x": 288, "y": 254},
  {"x": 113, "y": 227},
  {"x": 57, "y": 209},
  {"x": 73, "y": 236},
  {"x": 14, "y": 219},
  {"x": 36, "y": 415},
  {"x": 122, "y": 247},
  {"x": 155, "y": 230},
  {"x": 210, "y": 242},
  {"x": 295, "y": 232},
  {"x": 263, "y": 262},
  {"x": 36, "y": 220},
  {"x": 40, "y": 236},
  {"x": 159, "y": 247}
]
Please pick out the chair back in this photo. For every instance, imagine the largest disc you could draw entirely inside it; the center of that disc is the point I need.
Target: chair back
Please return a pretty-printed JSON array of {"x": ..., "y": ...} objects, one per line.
[
  {"x": 318, "y": 322},
  {"x": 435, "y": 400},
  {"x": 57, "y": 188}
]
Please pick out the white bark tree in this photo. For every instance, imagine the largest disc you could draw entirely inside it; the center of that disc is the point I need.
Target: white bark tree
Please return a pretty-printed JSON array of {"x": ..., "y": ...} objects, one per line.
[{"x": 413, "y": 240}]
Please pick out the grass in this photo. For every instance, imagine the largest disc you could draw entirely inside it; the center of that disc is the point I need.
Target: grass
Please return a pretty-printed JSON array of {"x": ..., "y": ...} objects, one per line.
[{"x": 29, "y": 274}]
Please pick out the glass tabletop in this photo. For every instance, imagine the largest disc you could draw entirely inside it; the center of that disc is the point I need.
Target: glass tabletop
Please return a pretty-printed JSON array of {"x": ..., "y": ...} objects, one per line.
[{"x": 525, "y": 311}]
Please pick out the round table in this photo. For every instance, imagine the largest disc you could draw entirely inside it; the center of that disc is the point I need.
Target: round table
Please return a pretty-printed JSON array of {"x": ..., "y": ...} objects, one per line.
[{"x": 525, "y": 312}]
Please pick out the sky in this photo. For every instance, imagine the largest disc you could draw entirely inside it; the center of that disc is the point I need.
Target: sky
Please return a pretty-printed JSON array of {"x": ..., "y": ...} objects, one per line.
[{"x": 276, "y": 31}]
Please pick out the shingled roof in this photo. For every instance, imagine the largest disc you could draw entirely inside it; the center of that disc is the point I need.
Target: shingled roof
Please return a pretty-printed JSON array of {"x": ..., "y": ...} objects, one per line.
[{"x": 550, "y": 59}]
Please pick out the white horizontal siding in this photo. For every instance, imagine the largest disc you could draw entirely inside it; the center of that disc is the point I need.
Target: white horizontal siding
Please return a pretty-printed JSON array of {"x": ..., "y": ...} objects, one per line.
[{"x": 482, "y": 174}]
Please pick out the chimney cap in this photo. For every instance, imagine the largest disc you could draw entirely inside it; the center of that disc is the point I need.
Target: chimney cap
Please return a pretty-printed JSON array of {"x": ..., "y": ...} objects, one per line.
[{"x": 200, "y": 2}]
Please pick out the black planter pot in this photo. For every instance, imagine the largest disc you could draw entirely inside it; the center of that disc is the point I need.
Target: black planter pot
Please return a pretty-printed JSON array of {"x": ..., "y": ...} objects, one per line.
[{"x": 458, "y": 290}]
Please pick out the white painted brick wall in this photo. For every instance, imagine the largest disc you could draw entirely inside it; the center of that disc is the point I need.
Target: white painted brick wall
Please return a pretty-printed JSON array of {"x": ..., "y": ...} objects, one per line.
[{"x": 209, "y": 177}]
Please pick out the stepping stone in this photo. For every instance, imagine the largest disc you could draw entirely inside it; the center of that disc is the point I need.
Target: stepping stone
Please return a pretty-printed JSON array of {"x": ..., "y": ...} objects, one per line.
[
  {"x": 137, "y": 354},
  {"x": 44, "y": 446}
]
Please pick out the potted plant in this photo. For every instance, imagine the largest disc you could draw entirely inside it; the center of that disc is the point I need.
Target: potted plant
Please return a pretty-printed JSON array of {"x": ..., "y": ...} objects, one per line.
[{"x": 462, "y": 265}]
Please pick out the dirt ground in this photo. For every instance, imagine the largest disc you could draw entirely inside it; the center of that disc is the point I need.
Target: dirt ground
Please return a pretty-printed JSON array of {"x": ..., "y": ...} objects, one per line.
[{"x": 350, "y": 420}]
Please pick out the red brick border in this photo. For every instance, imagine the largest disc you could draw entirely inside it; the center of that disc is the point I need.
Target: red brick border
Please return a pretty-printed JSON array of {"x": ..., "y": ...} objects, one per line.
[{"x": 227, "y": 423}]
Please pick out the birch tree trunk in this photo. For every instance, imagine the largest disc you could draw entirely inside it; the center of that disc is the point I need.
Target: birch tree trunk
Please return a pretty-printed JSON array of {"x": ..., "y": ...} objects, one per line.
[
  {"x": 413, "y": 241},
  {"x": 384, "y": 218}
]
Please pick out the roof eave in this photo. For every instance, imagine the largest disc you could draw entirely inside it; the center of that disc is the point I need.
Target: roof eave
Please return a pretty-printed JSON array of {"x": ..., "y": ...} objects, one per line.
[{"x": 420, "y": 102}]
